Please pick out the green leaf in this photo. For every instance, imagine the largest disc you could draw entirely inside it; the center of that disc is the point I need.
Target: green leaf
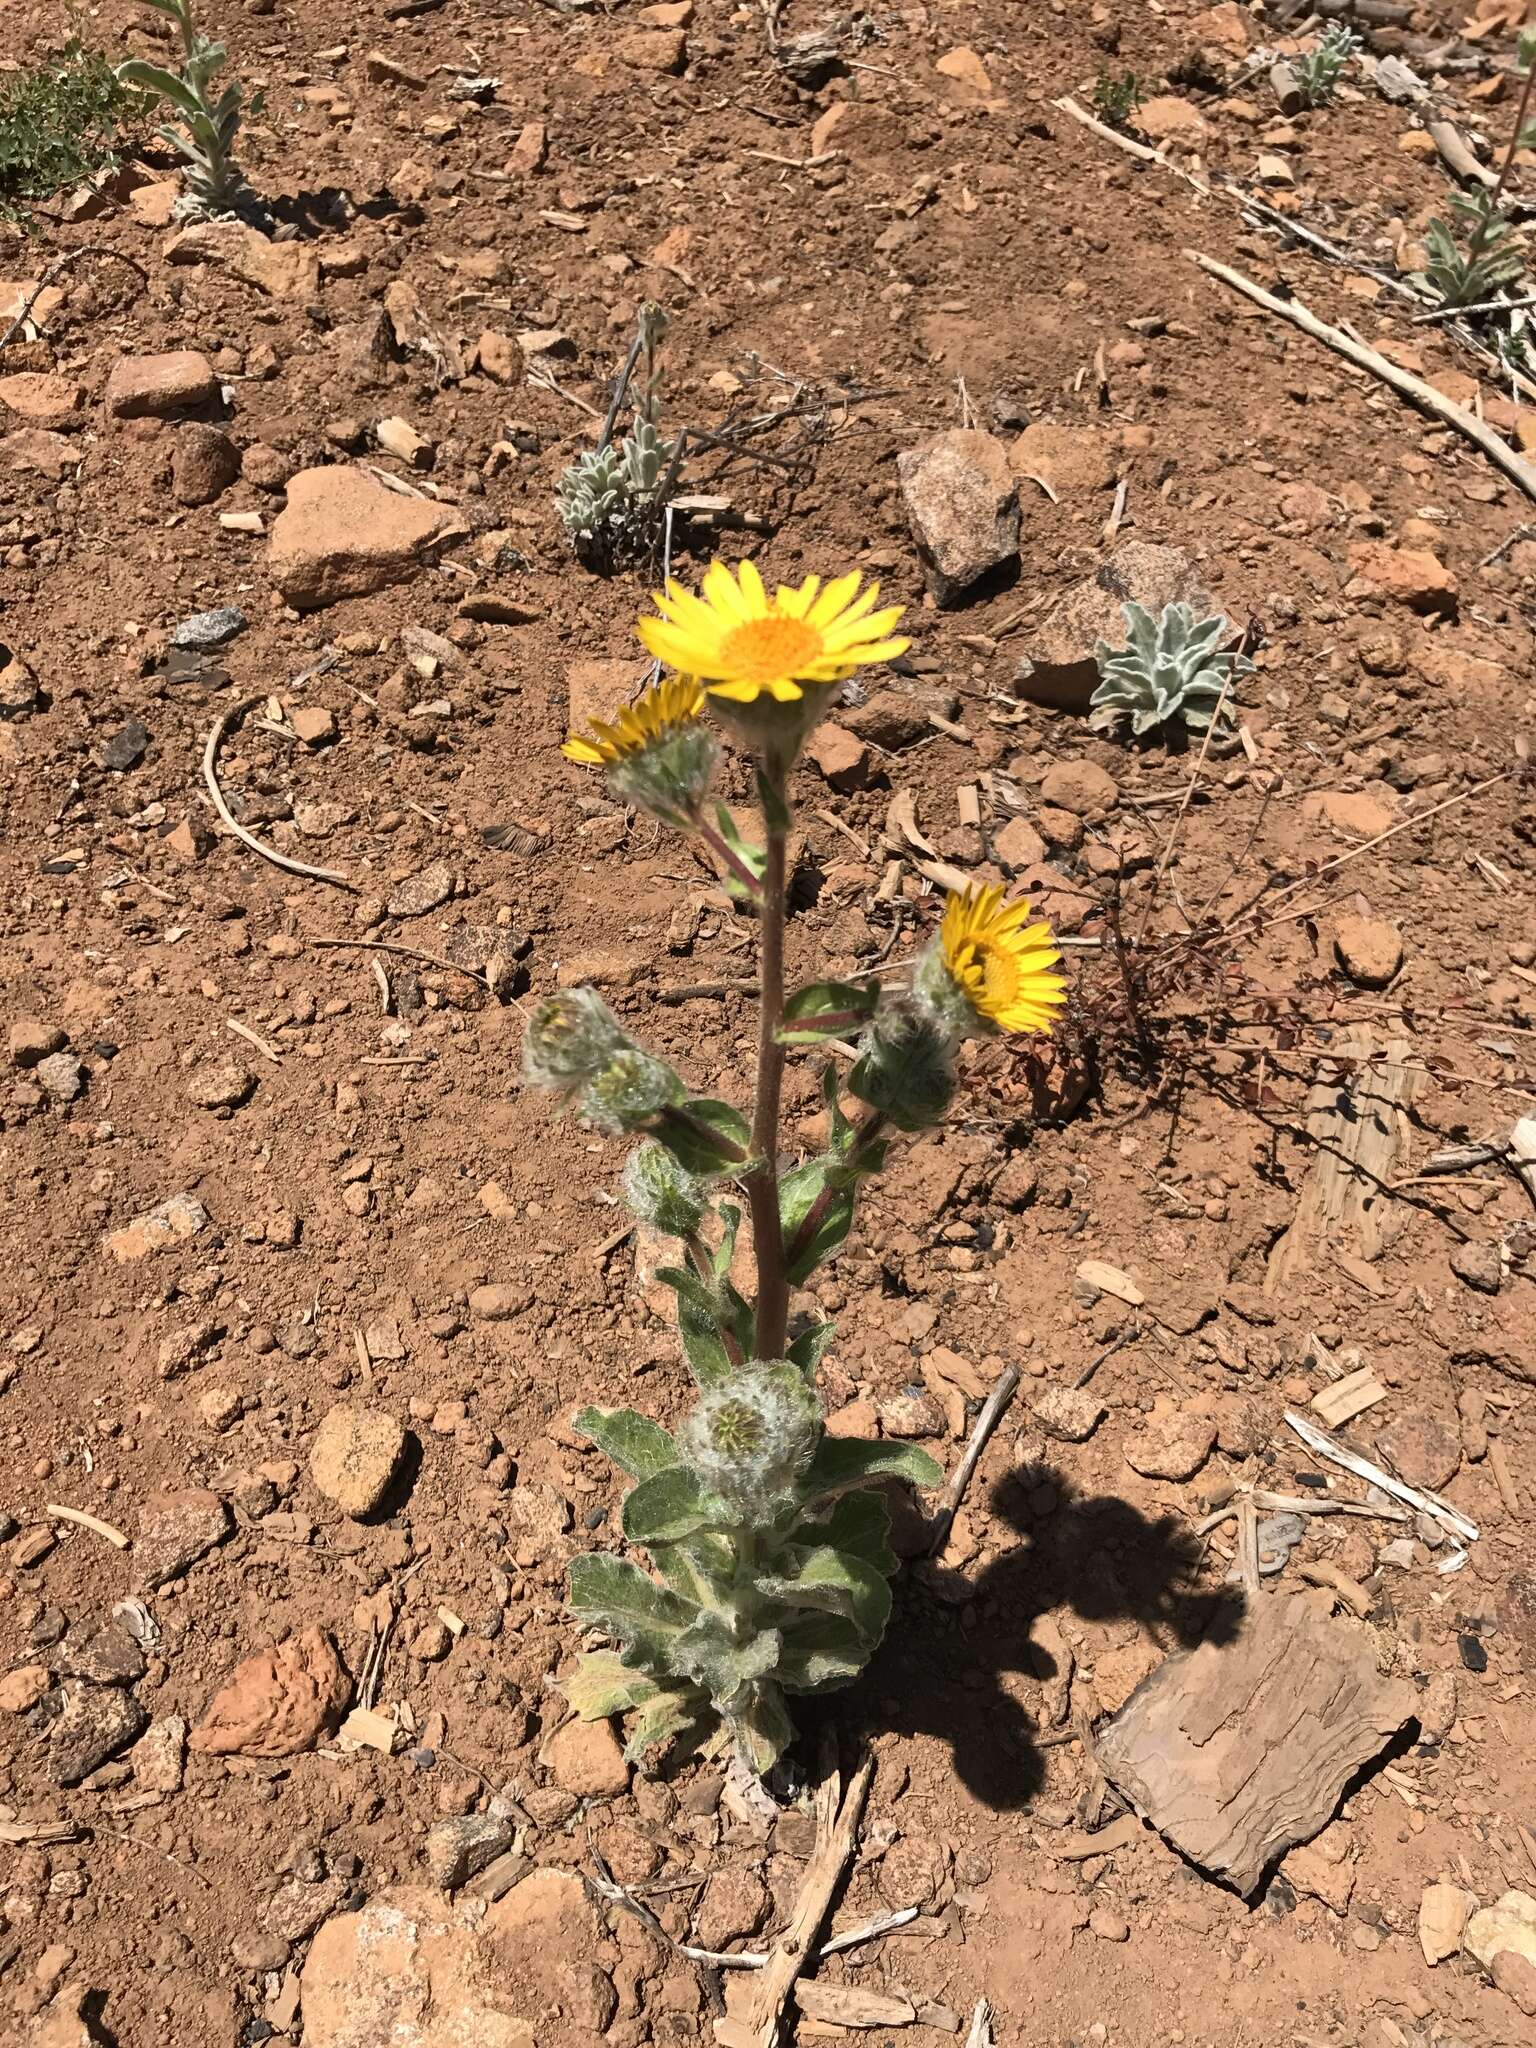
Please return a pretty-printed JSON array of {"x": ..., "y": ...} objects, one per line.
[
  {"x": 701, "y": 1568},
  {"x": 843, "y": 1464},
  {"x": 810, "y": 1346},
  {"x": 635, "y": 1444},
  {"x": 1525, "y": 49},
  {"x": 669, "y": 1506},
  {"x": 834, "y": 1582},
  {"x": 711, "y": 1655},
  {"x": 153, "y": 79},
  {"x": 762, "y": 1727},
  {"x": 667, "y": 1714},
  {"x": 611, "y": 1593},
  {"x": 803, "y": 1189},
  {"x": 826, "y": 1009},
  {"x": 703, "y": 1346},
  {"x": 821, "y": 1652},
  {"x": 858, "y": 1524},
  {"x": 752, "y": 858},
  {"x": 705, "y": 1136},
  {"x": 601, "y": 1685}
]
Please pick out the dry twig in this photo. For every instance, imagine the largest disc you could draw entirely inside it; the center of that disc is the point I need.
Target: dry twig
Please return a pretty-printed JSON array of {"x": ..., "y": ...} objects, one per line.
[{"x": 216, "y": 739}]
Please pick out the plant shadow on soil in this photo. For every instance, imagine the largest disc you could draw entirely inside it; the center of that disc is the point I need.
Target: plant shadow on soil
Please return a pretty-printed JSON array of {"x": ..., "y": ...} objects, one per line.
[{"x": 1096, "y": 1557}]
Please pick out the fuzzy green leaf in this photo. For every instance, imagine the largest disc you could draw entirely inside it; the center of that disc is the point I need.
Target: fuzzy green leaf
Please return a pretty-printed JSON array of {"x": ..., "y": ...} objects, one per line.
[
  {"x": 712, "y": 1656},
  {"x": 635, "y": 1444},
  {"x": 153, "y": 78},
  {"x": 826, "y": 1009},
  {"x": 810, "y": 1346},
  {"x": 669, "y": 1506},
  {"x": 813, "y": 1185},
  {"x": 834, "y": 1582},
  {"x": 842, "y": 1464},
  {"x": 762, "y": 1727},
  {"x": 703, "y": 1346},
  {"x": 821, "y": 1652},
  {"x": 701, "y": 1567},
  {"x": 667, "y": 1714},
  {"x": 602, "y": 1685},
  {"x": 858, "y": 1524},
  {"x": 609, "y": 1592},
  {"x": 706, "y": 1136}
]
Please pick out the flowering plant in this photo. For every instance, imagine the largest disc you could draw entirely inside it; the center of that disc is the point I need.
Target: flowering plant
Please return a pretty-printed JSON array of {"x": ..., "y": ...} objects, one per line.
[{"x": 768, "y": 1537}]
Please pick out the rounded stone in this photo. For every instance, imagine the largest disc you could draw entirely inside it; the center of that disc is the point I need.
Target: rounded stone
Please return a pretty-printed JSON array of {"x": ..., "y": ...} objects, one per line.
[{"x": 355, "y": 1456}]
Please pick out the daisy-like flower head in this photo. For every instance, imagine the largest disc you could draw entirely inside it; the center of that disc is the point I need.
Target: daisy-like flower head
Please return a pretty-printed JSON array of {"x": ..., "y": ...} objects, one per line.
[
  {"x": 746, "y": 646},
  {"x": 664, "y": 709},
  {"x": 990, "y": 954},
  {"x": 658, "y": 753}
]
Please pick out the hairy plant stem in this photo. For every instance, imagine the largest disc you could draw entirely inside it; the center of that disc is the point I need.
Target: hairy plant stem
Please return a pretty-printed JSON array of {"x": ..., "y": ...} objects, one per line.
[
  {"x": 762, "y": 1185},
  {"x": 735, "y": 866}
]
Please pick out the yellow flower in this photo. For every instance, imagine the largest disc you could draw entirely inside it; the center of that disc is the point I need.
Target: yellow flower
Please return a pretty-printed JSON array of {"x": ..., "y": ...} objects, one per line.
[
  {"x": 745, "y": 645},
  {"x": 1002, "y": 962},
  {"x": 665, "y": 709}
]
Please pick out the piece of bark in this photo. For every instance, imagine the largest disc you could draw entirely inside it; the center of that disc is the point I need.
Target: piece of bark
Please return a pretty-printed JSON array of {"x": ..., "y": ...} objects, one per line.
[
  {"x": 853, "y": 2005},
  {"x": 1236, "y": 1752},
  {"x": 1358, "y": 1123}
]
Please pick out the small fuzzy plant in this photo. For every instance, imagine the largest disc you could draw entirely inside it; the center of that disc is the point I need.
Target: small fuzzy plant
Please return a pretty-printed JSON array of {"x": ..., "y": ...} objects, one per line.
[
  {"x": 1317, "y": 74},
  {"x": 1116, "y": 96},
  {"x": 206, "y": 126},
  {"x": 1490, "y": 269},
  {"x": 767, "y": 1538},
  {"x": 609, "y": 498},
  {"x": 1169, "y": 673}
]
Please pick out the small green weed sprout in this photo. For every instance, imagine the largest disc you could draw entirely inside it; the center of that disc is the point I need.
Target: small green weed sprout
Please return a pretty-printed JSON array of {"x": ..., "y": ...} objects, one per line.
[
  {"x": 1116, "y": 96},
  {"x": 206, "y": 128},
  {"x": 1492, "y": 261},
  {"x": 60, "y": 123},
  {"x": 767, "y": 1536},
  {"x": 610, "y": 497},
  {"x": 1317, "y": 74},
  {"x": 1170, "y": 673}
]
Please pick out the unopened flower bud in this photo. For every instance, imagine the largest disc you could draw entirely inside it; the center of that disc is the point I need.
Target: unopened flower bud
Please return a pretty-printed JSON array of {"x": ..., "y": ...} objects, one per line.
[
  {"x": 662, "y": 1192},
  {"x": 670, "y": 779},
  {"x": 570, "y": 1037},
  {"x": 905, "y": 1068},
  {"x": 631, "y": 1089}
]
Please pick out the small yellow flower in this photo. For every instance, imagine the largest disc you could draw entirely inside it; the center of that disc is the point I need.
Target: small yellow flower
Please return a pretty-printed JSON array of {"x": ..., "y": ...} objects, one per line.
[
  {"x": 1001, "y": 961},
  {"x": 745, "y": 645},
  {"x": 665, "y": 709}
]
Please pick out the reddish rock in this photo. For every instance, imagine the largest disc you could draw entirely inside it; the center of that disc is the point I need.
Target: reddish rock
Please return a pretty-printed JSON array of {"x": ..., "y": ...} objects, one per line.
[
  {"x": 1369, "y": 950},
  {"x": 43, "y": 453},
  {"x": 841, "y": 756},
  {"x": 204, "y": 463},
  {"x": 1074, "y": 461},
  {"x": 412, "y": 1969},
  {"x": 663, "y": 50},
  {"x": 21, "y": 1689},
  {"x": 962, "y": 506},
  {"x": 1081, "y": 787},
  {"x": 1423, "y": 1447},
  {"x": 1406, "y": 576},
  {"x": 175, "y": 1530},
  {"x": 1172, "y": 1444},
  {"x": 314, "y": 725},
  {"x": 155, "y": 387},
  {"x": 585, "y": 1758},
  {"x": 343, "y": 535},
  {"x": 498, "y": 357},
  {"x": 42, "y": 399},
  {"x": 1171, "y": 122},
  {"x": 600, "y": 689},
  {"x": 277, "y": 1703},
  {"x": 1355, "y": 813},
  {"x": 528, "y": 152},
  {"x": 1018, "y": 845}
]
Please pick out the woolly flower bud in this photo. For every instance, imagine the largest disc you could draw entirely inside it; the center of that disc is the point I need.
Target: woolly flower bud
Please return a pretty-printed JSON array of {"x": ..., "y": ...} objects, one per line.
[
  {"x": 631, "y": 1089},
  {"x": 663, "y": 1193},
  {"x": 752, "y": 1436},
  {"x": 671, "y": 778},
  {"x": 570, "y": 1037},
  {"x": 905, "y": 1068}
]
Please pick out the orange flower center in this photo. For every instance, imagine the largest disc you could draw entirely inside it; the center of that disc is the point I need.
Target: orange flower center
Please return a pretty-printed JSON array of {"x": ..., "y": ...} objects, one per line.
[{"x": 763, "y": 650}]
